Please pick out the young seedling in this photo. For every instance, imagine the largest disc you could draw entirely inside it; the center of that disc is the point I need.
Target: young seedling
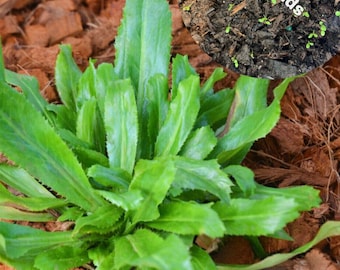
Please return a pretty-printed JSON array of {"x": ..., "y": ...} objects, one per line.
[
  {"x": 235, "y": 61},
  {"x": 187, "y": 8},
  {"x": 227, "y": 30},
  {"x": 273, "y": 2},
  {"x": 230, "y": 6},
  {"x": 309, "y": 44},
  {"x": 264, "y": 20},
  {"x": 337, "y": 13},
  {"x": 305, "y": 14},
  {"x": 312, "y": 35},
  {"x": 323, "y": 28}
]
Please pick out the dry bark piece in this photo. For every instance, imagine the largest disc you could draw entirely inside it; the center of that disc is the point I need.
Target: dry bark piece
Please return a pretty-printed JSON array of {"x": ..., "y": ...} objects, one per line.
[
  {"x": 37, "y": 35},
  {"x": 318, "y": 260}
]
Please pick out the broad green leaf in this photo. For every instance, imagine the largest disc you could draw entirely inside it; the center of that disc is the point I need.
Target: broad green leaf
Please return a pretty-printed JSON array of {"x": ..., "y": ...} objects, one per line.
[
  {"x": 67, "y": 75},
  {"x": 110, "y": 177},
  {"x": 30, "y": 88},
  {"x": 215, "y": 108},
  {"x": 18, "y": 241},
  {"x": 121, "y": 125},
  {"x": 181, "y": 70},
  {"x": 10, "y": 213},
  {"x": 88, "y": 157},
  {"x": 282, "y": 87},
  {"x": 199, "y": 143},
  {"x": 306, "y": 197},
  {"x": 180, "y": 119},
  {"x": 63, "y": 117},
  {"x": 102, "y": 220},
  {"x": 61, "y": 258},
  {"x": 153, "y": 178},
  {"x": 154, "y": 111},
  {"x": 29, "y": 144},
  {"x": 129, "y": 200},
  {"x": 201, "y": 260},
  {"x": 86, "y": 85},
  {"x": 90, "y": 126},
  {"x": 104, "y": 77},
  {"x": 203, "y": 175},
  {"x": 244, "y": 178},
  {"x": 33, "y": 204},
  {"x": 207, "y": 88},
  {"x": 22, "y": 181},
  {"x": 329, "y": 229},
  {"x": 250, "y": 97},
  {"x": 256, "y": 217},
  {"x": 245, "y": 131},
  {"x": 146, "y": 250},
  {"x": 143, "y": 46},
  {"x": 188, "y": 218}
]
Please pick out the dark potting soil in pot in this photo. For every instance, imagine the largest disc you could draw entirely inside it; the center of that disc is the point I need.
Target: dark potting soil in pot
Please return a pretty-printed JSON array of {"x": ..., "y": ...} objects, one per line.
[{"x": 265, "y": 38}]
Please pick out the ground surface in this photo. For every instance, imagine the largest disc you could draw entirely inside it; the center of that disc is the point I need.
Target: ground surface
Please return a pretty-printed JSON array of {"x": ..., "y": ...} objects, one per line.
[
  {"x": 261, "y": 38},
  {"x": 303, "y": 149}
]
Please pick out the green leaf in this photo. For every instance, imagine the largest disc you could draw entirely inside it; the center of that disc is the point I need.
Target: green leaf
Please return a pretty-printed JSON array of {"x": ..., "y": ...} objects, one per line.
[
  {"x": 2, "y": 64},
  {"x": 244, "y": 178},
  {"x": 181, "y": 70},
  {"x": 129, "y": 200},
  {"x": 88, "y": 157},
  {"x": 306, "y": 197},
  {"x": 153, "y": 178},
  {"x": 102, "y": 220},
  {"x": 22, "y": 181},
  {"x": 250, "y": 97},
  {"x": 121, "y": 125},
  {"x": 180, "y": 119},
  {"x": 87, "y": 85},
  {"x": 329, "y": 229},
  {"x": 63, "y": 118},
  {"x": 110, "y": 177},
  {"x": 207, "y": 88},
  {"x": 188, "y": 218},
  {"x": 10, "y": 213},
  {"x": 90, "y": 126},
  {"x": 18, "y": 241},
  {"x": 199, "y": 143},
  {"x": 67, "y": 75},
  {"x": 201, "y": 260},
  {"x": 33, "y": 204},
  {"x": 52, "y": 163},
  {"x": 256, "y": 217},
  {"x": 143, "y": 46},
  {"x": 245, "y": 132},
  {"x": 154, "y": 111},
  {"x": 215, "y": 108},
  {"x": 146, "y": 250},
  {"x": 61, "y": 258},
  {"x": 203, "y": 175},
  {"x": 30, "y": 88}
]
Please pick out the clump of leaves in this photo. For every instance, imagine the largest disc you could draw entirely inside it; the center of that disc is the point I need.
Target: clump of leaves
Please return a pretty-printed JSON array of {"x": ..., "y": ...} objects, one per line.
[{"x": 137, "y": 170}]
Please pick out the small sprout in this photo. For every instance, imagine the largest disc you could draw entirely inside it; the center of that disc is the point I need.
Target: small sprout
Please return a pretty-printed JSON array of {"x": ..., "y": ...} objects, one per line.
[
  {"x": 227, "y": 30},
  {"x": 187, "y": 8},
  {"x": 252, "y": 55},
  {"x": 235, "y": 61},
  {"x": 312, "y": 35},
  {"x": 309, "y": 44},
  {"x": 323, "y": 28},
  {"x": 273, "y": 2},
  {"x": 264, "y": 20},
  {"x": 306, "y": 14},
  {"x": 337, "y": 13},
  {"x": 230, "y": 7}
]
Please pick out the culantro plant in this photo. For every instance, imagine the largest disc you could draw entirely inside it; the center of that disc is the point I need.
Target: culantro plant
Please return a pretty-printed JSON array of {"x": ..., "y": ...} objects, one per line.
[{"x": 135, "y": 170}]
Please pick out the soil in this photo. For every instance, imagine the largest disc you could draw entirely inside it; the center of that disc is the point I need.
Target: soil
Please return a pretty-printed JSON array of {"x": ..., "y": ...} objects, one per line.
[
  {"x": 262, "y": 38},
  {"x": 304, "y": 148}
]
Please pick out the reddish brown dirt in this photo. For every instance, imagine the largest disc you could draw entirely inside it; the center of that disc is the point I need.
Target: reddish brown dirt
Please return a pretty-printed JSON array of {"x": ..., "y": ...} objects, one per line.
[{"x": 304, "y": 148}]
